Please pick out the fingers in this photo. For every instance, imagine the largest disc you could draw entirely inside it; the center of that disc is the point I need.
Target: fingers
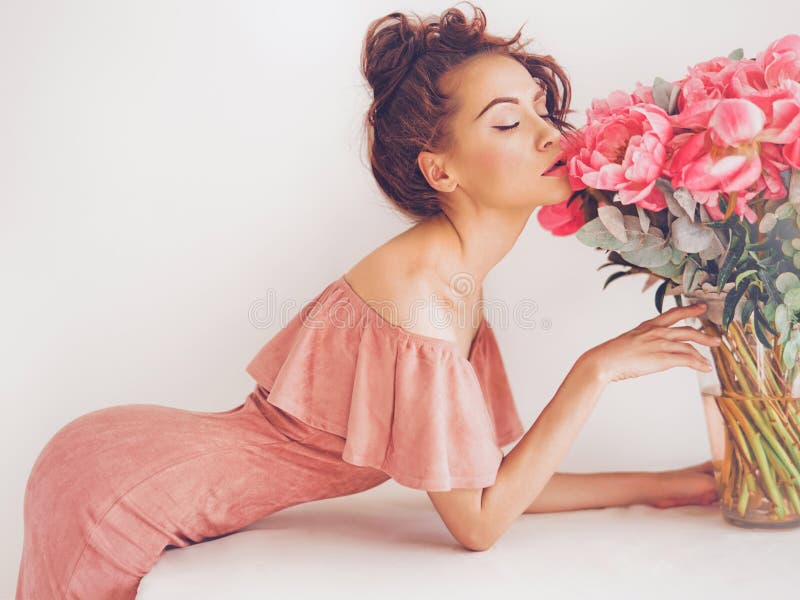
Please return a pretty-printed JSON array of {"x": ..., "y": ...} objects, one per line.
[
  {"x": 682, "y": 359},
  {"x": 691, "y": 334},
  {"x": 706, "y": 467},
  {"x": 673, "y": 315},
  {"x": 681, "y": 347}
]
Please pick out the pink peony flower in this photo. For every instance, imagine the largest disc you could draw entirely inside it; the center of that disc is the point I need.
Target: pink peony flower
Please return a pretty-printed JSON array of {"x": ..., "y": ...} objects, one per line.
[
  {"x": 735, "y": 149},
  {"x": 616, "y": 100},
  {"x": 748, "y": 79},
  {"x": 622, "y": 149},
  {"x": 560, "y": 219},
  {"x": 781, "y": 60},
  {"x": 708, "y": 80}
]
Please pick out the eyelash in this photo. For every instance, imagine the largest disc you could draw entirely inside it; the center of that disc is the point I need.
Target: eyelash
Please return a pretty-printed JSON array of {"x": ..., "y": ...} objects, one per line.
[{"x": 507, "y": 127}]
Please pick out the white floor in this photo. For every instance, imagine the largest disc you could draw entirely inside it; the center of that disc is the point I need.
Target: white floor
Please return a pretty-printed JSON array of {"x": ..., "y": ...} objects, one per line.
[{"x": 389, "y": 542}]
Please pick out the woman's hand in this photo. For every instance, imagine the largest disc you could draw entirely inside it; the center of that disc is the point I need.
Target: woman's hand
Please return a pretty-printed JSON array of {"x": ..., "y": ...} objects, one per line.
[
  {"x": 653, "y": 346},
  {"x": 679, "y": 487}
]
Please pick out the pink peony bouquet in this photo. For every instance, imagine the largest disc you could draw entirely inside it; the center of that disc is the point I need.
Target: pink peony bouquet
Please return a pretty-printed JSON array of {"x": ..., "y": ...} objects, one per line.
[{"x": 696, "y": 182}]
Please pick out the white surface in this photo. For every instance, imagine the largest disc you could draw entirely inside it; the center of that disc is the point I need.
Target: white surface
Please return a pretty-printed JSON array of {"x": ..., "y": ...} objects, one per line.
[
  {"x": 388, "y": 542},
  {"x": 165, "y": 165}
]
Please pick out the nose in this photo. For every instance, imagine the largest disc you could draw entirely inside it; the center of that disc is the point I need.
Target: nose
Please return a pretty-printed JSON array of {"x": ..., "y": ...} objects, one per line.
[{"x": 547, "y": 136}]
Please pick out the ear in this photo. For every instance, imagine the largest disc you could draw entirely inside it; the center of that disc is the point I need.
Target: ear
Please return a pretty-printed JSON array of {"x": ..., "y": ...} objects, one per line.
[{"x": 433, "y": 170}]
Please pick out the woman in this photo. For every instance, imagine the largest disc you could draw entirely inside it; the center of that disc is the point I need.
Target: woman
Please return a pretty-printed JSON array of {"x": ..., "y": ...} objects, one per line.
[{"x": 463, "y": 129}]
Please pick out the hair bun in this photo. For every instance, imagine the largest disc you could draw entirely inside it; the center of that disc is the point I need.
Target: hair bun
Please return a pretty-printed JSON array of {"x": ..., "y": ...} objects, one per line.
[{"x": 390, "y": 47}]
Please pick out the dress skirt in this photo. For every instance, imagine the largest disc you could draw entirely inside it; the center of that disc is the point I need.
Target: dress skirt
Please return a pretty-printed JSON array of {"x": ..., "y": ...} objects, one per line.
[{"x": 114, "y": 488}]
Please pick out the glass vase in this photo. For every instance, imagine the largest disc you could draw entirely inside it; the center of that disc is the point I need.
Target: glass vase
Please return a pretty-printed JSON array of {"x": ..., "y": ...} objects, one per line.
[{"x": 752, "y": 408}]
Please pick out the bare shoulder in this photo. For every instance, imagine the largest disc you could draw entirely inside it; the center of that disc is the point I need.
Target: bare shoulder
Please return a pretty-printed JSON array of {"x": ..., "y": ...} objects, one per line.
[
  {"x": 404, "y": 281},
  {"x": 395, "y": 282}
]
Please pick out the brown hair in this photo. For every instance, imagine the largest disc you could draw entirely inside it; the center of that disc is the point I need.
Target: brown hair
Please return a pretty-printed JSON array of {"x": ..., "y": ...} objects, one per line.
[{"x": 403, "y": 62}]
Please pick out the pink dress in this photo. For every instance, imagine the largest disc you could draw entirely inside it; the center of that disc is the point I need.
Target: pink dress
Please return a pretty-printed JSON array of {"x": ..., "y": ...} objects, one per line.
[{"x": 344, "y": 400}]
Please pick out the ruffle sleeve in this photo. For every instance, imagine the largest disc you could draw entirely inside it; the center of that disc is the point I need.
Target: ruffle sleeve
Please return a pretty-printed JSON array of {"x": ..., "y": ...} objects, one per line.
[{"x": 405, "y": 404}]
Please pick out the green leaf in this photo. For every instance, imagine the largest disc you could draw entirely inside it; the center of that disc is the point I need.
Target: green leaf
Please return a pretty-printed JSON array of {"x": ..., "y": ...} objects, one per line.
[
  {"x": 595, "y": 234},
  {"x": 760, "y": 331},
  {"x": 773, "y": 292},
  {"x": 784, "y": 211},
  {"x": 662, "y": 90},
  {"x": 786, "y": 281},
  {"x": 736, "y": 250},
  {"x": 744, "y": 274},
  {"x": 763, "y": 317},
  {"x": 660, "y": 296},
  {"x": 790, "y": 355},
  {"x": 783, "y": 322},
  {"x": 614, "y": 276},
  {"x": 731, "y": 300},
  {"x": 792, "y": 299},
  {"x": 747, "y": 309},
  {"x": 737, "y": 54}
]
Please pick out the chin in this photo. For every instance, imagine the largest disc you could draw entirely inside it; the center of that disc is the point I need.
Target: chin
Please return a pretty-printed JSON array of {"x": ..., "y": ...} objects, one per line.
[{"x": 559, "y": 195}]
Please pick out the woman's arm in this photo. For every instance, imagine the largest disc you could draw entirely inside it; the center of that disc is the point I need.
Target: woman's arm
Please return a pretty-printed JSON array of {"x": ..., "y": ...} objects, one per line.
[
  {"x": 531, "y": 463},
  {"x": 477, "y": 518},
  {"x": 576, "y": 491},
  {"x": 695, "y": 484}
]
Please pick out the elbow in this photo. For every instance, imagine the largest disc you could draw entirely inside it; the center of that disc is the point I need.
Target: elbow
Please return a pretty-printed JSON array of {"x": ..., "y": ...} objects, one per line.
[{"x": 478, "y": 541}]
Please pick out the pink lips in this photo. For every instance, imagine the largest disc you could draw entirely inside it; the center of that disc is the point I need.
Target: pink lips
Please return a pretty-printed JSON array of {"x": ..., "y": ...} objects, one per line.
[{"x": 557, "y": 171}]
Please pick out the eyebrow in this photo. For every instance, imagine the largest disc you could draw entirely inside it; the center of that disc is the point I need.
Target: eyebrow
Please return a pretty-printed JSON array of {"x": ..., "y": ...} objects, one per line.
[{"x": 512, "y": 99}]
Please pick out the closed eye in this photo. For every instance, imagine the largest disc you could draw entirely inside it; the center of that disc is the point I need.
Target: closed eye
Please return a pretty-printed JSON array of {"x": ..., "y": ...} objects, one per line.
[{"x": 507, "y": 127}]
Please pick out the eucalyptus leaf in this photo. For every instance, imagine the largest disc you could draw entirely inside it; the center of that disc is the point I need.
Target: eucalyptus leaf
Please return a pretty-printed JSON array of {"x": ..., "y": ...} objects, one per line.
[
  {"x": 674, "y": 206},
  {"x": 662, "y": 91},
  {"x": 686, "y": 201},
  {"x": 645, "y": 249},
  {"x": 644, "y": 220},
  {"x": 668, "y": 269},
  {"x": 678, "y": 256},
  {"x": 699, "y": 278},
  {"x": 688, "y": 275},
  {"x": 784, "y": 211},
  {"x": 737, "y": 54},
  {"x": 786, "y": 281},
  {"x": 790, "y": 354},
  {"x": 793, "y": 186},
  {"x": 767, "y": 223},
  {"x": 688, "y": 236},
  {"x": 673, "y": 99},
  {"x": 636, "y": 238},
  {"x": 783, "y": 322},
  {"x": 792, "y": 299},
  {"x": 769, "y": 316},
  {"x": 594, "y": 234},
  {"x": 612, "y": 218},
  {"x": 714, "y": 250}
]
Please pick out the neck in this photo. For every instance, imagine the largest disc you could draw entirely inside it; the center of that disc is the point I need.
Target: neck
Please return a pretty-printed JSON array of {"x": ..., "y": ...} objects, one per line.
[{"x": 470, "y": 244}]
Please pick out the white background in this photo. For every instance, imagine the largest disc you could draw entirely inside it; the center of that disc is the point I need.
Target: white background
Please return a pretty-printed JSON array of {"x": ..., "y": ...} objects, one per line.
[{"x": 164, "y": 165}]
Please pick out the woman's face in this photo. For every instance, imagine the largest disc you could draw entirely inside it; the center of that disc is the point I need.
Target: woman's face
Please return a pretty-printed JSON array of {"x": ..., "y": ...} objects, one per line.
[{"x": 500, "y": 152}]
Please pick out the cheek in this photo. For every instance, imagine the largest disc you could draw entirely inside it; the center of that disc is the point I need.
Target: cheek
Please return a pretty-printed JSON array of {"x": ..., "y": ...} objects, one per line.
[{"x": 499, "y": 160}]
